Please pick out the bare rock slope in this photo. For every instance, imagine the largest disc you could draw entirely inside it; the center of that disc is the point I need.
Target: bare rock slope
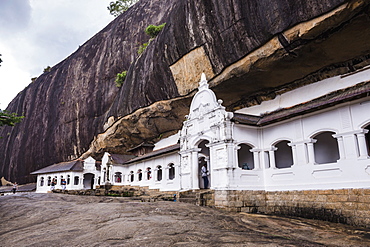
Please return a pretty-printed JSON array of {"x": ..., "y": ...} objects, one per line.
[{"x": 65, "y": 220}]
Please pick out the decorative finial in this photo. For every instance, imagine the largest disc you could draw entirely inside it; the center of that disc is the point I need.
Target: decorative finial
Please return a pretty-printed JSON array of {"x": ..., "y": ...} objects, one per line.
[
  {"x": 203, "y": 84},
  {"x": 203, "y": 77}
]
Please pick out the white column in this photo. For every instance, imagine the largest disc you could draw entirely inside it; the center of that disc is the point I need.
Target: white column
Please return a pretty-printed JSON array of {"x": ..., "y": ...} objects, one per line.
[
  {"x": 310, "y": 151},
  {"x": 294, "y": 153},
  {"x": 195, "y": 168},
  {"x": 342, "y": 154},
  {"x": 362, "y": 145},
  {"x": 272, "y": 157},
  {"x": 166, "y": 173},
  {"x": 256, "y": 159}
]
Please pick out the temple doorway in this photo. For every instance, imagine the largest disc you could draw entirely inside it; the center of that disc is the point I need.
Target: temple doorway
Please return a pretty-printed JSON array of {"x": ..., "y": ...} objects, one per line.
[
  {"x": 203, "y": 159},
  {"x": 89, "y": 181}
]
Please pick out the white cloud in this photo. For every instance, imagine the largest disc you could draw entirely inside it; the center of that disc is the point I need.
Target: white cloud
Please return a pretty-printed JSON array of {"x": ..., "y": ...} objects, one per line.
[{"x": 40, "y": 33}]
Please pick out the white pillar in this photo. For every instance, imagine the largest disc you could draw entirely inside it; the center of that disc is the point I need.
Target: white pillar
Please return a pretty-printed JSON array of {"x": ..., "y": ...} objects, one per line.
[
  {"x": 362, "y": 145},
  {"x": 342, "y": 154},
  {"x": 310, "y": 151},
  {"x": 195, "y": 168},
  {"x": 272, "y": 157},
  {"x": 294, "y": 153},
  {"x": 166, "y": 173},
  {"x": 256, "y": 152}
]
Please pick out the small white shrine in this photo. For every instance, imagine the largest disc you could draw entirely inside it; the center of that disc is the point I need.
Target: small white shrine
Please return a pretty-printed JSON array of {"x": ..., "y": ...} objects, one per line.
[{"x": 77, "y": 174}]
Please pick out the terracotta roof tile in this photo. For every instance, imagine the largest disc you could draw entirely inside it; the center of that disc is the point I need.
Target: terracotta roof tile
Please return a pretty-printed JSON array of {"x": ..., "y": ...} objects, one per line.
[{"x": 74, "y": 165}]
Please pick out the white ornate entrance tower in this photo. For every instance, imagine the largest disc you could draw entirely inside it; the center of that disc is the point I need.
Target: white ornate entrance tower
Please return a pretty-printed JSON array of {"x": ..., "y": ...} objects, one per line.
[{"x": 207, "y": 134}]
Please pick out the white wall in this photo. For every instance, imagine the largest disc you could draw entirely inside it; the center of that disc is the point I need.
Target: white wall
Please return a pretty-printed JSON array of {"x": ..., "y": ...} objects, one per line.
[
  {"x": 71, "y": 186},
  {"x": 163, "y": 161},
  {"x": 351, "y": 171}
]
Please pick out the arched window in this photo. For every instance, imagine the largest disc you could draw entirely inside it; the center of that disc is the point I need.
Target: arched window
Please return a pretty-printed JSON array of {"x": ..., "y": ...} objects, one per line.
[
  {"x": 140, "y": 175},
  {"x": 171, "y": 171},
  {"x": 118, "y": 177},
  {"x": 148, "y": 173},
  {"x": 42, "y": 181},
  {"x": 49, "y": 181},
  {"x": 283, "y": 155},
  {"x": 131, "y": 176},
  {"x": 76, "y": 180},
  {"x": 326, "y": 148},
  {"x": 245, "y": 157},
  {"x": 68, "y": 179},
  {"x": 159, "y": 173}
]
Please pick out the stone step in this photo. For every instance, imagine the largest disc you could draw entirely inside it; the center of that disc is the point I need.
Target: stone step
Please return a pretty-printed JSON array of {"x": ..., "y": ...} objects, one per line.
[
  {"x": 189, "y": 200},
  {"x": 188, "y": 196}
]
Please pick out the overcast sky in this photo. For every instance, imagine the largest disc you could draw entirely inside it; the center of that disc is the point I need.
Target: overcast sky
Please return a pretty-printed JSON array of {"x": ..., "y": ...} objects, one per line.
[{"x": 35, "y": 34}]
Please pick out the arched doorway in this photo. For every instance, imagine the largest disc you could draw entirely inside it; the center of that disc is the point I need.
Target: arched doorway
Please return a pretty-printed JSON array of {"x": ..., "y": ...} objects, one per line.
[
  {"x": 89, "y": 181},
  {"x": 203, "y": 159}
]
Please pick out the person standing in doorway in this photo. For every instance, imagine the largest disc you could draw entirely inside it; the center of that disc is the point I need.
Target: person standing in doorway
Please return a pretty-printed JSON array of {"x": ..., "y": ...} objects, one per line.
[
  {"x": 52, "y": 185},
  {"x": 64, "y": 183},
  {"x": 205, "y": 174},
  {"x": 15, "y": 187}
]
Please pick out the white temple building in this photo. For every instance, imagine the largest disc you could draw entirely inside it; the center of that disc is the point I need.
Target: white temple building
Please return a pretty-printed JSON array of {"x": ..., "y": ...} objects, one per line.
[
  {"x": 78, "y": 175},
  {"x": 313, "y": 137}
]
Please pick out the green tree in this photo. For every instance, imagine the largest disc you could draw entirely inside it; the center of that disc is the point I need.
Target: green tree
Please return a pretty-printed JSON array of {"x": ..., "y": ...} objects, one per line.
[
  {"x": 10, "y": 119},
  {"x": 118, "y": 7}
]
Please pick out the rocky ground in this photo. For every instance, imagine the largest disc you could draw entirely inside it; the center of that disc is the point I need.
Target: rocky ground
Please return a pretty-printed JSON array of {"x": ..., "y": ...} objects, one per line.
[{"x": 30, "y": 219}]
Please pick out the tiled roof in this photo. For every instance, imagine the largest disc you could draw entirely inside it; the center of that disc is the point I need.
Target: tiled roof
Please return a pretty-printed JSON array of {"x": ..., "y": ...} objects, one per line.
[
  {"x": 340, "y": 96},
  {"x": 121, "y": 158},
  {"x": 155, "y": 153},
  {"x": 74, "y": 165}
]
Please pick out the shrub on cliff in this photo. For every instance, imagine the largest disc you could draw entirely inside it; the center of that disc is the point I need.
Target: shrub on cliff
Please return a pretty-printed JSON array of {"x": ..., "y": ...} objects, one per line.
[
  {"x": 153, "y": 30},
  {"x": 120, "y": 78}
]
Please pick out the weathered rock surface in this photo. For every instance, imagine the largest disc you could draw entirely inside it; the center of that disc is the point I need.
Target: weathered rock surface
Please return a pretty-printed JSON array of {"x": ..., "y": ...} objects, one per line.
[
  {"x": 65, "y": 220},
  {"x": 247, "y": 49}
]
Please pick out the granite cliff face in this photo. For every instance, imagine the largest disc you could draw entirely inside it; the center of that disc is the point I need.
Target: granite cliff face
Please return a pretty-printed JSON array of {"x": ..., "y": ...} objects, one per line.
[{"x": 247, "y": 49}]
